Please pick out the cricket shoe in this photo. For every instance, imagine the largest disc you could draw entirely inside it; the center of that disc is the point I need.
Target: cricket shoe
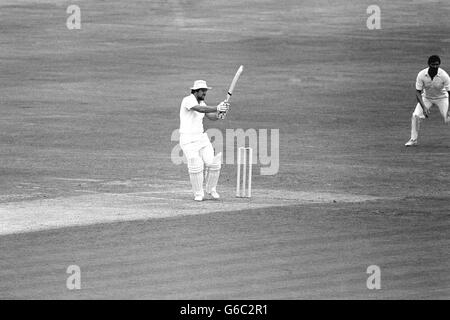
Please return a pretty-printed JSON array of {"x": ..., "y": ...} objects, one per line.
[
  {"x": 214, "y": 195},
  {"x": 411, "y": 143},
  {"x": 198, "y": 198}
]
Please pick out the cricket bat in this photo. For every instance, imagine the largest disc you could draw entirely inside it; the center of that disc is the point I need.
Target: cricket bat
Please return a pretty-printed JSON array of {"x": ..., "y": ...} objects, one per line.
[{"x": 222, "y": 115}]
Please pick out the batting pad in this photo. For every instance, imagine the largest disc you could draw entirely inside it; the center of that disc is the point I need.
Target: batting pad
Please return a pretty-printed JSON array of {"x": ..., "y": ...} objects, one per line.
[
  {"x": 212, "y": 177},
  {"x": 195, "y": 165},
  {"x": 216, "y": 163}
]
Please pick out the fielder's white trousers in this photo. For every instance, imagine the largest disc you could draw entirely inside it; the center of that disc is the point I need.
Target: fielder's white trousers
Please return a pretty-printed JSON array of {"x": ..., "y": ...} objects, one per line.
[{"x": 418, "y": 115}]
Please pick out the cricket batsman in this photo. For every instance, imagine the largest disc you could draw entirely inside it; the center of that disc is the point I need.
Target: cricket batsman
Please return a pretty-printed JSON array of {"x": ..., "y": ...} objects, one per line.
[{"x": 195, "y": 143}]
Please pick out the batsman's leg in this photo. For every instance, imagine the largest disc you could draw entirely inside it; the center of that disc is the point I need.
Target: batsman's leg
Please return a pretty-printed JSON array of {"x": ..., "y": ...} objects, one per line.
[
  {"x": 213, "y": 176},
  {"x": 213, "y": 165},
  {"x": 195, "y": 167}
]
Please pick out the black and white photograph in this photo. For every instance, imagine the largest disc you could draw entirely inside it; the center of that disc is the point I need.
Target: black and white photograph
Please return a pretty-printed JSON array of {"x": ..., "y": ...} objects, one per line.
[{"x": 210, "y": 150}]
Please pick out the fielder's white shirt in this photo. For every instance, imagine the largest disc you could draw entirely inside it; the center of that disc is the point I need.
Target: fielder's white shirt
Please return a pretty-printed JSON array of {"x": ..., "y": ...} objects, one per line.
[
  {"x": 436, "y": 88},
  {"x": 191, "y": 121}
]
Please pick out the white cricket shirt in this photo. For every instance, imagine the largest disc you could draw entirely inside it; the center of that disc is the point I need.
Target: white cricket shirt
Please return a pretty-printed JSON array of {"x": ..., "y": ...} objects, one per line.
[
  {"x": 436, "y": 88},
  {"x": 191, "y": 121}
]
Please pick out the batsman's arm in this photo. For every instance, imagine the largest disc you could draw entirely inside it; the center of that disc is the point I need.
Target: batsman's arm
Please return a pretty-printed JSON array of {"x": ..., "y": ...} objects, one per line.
[
  {"x": 212, "y": 116},
  {"x": 223, "y": 106},
  {"x": 204, "y": 109}
]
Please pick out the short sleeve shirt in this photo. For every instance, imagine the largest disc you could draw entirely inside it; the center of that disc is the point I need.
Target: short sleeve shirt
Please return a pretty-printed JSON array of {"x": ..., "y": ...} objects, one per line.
[
  {"x": 433, "y": 89},
  {"x": 191, "y": 121}
]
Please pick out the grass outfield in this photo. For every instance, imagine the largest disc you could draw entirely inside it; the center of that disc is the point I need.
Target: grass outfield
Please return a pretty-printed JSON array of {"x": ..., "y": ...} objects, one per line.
[
  {"x": 298, "y": 252},
  {"x": 85, "y": 124}
]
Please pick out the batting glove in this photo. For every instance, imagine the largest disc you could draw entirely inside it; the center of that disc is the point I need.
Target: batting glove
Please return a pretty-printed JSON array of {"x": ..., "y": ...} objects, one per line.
[{"x": 223, "y": 106}]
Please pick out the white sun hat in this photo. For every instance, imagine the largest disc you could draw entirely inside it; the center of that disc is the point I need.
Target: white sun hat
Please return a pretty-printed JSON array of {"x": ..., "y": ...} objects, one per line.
[{"x": 200, "y": 84}]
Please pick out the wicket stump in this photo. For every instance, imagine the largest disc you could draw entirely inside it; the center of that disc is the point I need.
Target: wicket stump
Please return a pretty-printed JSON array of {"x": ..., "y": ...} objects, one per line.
[{"x": 244, "y": 185}]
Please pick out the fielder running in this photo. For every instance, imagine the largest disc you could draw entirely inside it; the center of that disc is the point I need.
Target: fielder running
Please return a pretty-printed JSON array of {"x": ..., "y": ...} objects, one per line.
[
  {"x": 195, "y": 143},
  {"x": 432, "y": 89}
]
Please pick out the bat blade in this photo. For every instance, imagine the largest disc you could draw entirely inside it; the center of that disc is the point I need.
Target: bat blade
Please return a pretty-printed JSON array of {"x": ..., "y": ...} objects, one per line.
[
  {"x": 233, "y": 83},
  {"x": 222, "y": 115}
]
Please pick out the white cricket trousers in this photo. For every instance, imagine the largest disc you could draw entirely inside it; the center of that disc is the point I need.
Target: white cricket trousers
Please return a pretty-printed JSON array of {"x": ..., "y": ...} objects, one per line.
[
  {"x": 418, "y": 115},
  {"x": 199, "y": 152},
  {"x": 201, "y": 147}
]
